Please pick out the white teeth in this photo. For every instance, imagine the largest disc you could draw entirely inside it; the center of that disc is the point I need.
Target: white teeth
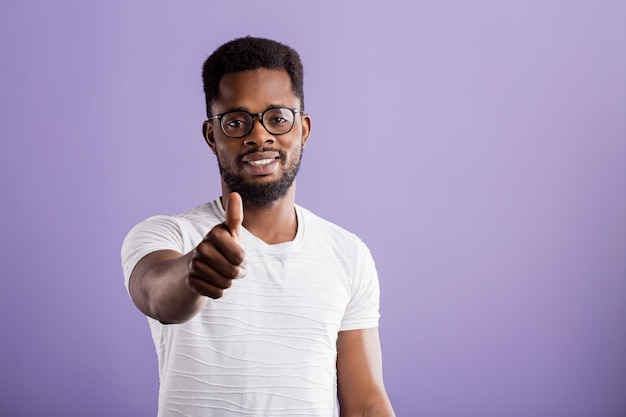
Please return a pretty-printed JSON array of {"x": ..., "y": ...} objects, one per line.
[{"x": 261, "y": 162}]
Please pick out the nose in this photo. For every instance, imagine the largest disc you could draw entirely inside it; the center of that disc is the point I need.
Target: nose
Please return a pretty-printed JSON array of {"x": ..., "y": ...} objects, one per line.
[{"x": 258, "y": 136}]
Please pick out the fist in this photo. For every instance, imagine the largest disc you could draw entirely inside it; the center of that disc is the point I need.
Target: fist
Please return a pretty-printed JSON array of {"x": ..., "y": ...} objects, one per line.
[{"x": 219, "y": 259}]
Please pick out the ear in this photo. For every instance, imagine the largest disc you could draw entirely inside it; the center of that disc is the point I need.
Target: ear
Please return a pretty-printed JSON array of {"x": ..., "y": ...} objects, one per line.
[
  {"x": 306, "y": 129},
  {"x": 207, "y": 132}
]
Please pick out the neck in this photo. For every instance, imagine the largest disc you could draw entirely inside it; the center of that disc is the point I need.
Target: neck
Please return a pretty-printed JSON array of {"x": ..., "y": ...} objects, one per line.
[{"x": 273, "y": 224}]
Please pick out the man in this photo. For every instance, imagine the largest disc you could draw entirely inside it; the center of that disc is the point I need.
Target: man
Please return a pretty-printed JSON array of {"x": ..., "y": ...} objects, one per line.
[{"x": 257, "y": 307}]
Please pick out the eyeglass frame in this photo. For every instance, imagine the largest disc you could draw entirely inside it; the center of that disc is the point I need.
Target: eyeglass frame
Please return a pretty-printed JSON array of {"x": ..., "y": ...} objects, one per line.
[{"x": 219, "y": 117}]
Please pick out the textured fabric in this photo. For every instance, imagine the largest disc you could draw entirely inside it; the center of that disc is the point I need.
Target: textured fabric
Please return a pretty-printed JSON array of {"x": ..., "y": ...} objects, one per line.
[{"x": 268, "y": 346}]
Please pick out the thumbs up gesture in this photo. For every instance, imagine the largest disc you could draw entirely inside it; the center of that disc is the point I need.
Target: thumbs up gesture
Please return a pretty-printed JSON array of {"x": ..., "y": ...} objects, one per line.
[
  {"x": 234, "y": 215},
  {"x": 219, "y": 258}
]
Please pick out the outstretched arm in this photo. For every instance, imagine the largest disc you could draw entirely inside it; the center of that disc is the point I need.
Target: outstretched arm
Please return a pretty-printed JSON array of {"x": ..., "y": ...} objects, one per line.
[
  {"x": 361, "y": 390},
  {"x": 173, "y": 288}
]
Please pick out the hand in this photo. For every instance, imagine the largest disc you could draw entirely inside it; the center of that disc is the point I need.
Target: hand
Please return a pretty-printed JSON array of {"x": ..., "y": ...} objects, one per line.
[{"x": 219, "y": 258}]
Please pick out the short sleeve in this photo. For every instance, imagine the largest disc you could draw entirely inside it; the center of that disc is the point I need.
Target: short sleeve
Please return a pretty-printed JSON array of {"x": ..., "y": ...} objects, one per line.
[
  {"x": 151, "y": 235},
  {"x": 363, "y": 309}
]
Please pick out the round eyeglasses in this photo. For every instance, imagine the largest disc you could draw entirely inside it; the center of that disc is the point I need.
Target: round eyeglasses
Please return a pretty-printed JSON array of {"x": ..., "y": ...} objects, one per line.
[{"x": 239, "y": 123}]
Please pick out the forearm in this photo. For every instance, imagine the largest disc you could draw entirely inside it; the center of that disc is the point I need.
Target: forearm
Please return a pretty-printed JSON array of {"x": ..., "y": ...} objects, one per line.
[
  {"x": 158, "y": 286},
  {"x": 361, "y": 391},
  {"x": 383, "y": 409},
  {"x": 378, "y": 407}
]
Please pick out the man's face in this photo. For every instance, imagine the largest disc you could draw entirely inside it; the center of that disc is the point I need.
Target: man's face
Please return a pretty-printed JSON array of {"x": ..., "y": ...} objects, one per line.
[{"x": 260, "y": 166}]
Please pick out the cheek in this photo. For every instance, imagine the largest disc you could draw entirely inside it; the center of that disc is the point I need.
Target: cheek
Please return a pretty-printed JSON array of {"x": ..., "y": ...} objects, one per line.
[
  {"x": 294, "y": 146},
  {"x": 225, "y": 152},
  {"x": 224, "y": 157},
  {"x": 294, "y": 155}
]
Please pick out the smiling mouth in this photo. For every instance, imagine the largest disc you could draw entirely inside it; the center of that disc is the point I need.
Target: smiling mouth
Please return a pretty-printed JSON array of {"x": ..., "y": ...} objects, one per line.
[{"x": 261, "y": 162}]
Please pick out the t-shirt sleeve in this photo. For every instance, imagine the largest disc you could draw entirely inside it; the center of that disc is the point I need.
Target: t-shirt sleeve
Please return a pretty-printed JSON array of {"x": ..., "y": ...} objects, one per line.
[
  {"x": 363, "y": 309},
  {"x": 151, "y": 235}
]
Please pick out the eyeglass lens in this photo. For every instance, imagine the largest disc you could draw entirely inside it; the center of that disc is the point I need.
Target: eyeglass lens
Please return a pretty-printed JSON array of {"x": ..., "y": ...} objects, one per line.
[{"x": 277, "y": 121}]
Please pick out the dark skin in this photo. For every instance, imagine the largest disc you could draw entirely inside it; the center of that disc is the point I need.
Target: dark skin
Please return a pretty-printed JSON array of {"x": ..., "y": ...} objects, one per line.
[{"x": 173, "y": 287}]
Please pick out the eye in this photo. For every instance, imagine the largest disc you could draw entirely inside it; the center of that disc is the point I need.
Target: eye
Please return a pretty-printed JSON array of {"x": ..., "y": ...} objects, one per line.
[
  {"x": 234, "y": 124},
  {"x": 277, "y": 117},
  {"x": 235, "y": 121},
  {"x": 278, "y": 120}
]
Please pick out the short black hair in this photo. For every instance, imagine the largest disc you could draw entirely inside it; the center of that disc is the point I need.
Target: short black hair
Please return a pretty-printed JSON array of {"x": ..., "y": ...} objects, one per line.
[{"x": 249, "y": 53}]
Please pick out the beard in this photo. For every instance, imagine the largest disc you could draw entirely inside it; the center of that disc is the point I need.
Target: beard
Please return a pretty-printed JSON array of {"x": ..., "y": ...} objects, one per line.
[{"x": 266, "y": 193}]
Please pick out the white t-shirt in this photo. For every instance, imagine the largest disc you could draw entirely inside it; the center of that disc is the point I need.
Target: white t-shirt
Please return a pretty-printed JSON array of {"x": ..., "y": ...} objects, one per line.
[{"x": 268, "y": 346}]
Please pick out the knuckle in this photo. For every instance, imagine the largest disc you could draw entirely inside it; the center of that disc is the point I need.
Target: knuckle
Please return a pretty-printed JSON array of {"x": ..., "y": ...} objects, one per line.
[
  {"x": 195, "y": 265},
  {"x": 239, "y": 257},
  {"x": 216, "y": 231},
  {"x": 203, "y": 248},
  {"x": 191, "y": 282},
  {"x": 232, "y": 272},
  {"x": 216, "y": 293}
]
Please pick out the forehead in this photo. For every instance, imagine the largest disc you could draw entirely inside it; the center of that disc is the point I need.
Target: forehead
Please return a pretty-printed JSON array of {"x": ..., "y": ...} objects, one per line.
[{"x": 255, "y": 90}]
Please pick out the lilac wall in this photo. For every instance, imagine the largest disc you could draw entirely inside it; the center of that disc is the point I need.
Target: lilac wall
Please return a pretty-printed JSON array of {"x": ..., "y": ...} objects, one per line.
[{"x": 478, "y": 148}]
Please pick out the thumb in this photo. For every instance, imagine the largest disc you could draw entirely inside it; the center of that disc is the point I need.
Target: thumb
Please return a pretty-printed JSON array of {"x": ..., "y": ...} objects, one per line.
[{"x": 234, "y": 214}]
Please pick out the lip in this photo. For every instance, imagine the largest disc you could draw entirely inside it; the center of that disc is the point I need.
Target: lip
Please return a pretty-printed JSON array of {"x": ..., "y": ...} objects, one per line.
[
  {"x": 268, "y": 163},
  {"x": 257, "y": 156}
]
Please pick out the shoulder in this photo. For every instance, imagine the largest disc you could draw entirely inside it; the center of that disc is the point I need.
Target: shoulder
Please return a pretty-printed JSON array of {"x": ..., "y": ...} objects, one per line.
[
  {"x": 207, "y": 212},
  {"x": 177, "y": 231},
  {"x": 313, "y": 219},
  {"x": 325, "y": 230},
  {"x": 180, "y": 232},
  {"x": 202, "y": 215}
]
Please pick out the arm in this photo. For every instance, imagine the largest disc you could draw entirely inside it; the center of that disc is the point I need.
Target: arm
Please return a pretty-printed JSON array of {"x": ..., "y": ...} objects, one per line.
[
  {"x": 361, "y": 390},
  {"x": 158, "y": 287},
  {"x": 173, "y": 288}
]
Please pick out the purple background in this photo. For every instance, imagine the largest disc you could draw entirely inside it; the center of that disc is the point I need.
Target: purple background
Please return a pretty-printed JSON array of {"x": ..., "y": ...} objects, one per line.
[{"x": 479, "y": 149}]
